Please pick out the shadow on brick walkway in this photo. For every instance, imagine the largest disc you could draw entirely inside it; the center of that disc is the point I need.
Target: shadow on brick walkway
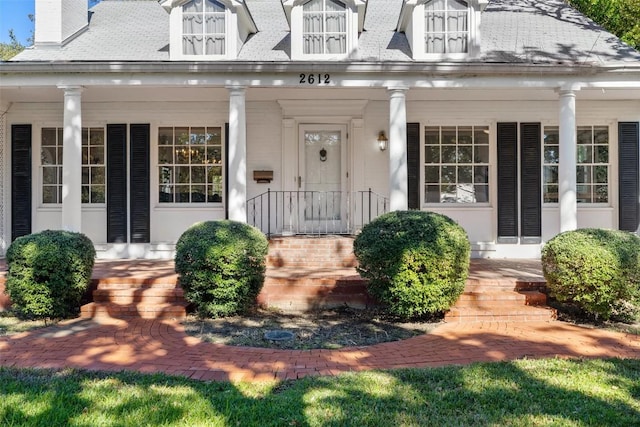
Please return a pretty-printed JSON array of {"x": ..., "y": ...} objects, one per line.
[{"x": 162, "y": 346}]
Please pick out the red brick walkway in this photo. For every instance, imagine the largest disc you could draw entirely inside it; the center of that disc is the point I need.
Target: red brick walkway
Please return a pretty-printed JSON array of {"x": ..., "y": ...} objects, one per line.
[{"x": 162, "y": 346}]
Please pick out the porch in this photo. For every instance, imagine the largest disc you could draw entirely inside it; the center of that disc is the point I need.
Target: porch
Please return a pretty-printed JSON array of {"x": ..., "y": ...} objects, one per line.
[{"x": 306, "y": 273}]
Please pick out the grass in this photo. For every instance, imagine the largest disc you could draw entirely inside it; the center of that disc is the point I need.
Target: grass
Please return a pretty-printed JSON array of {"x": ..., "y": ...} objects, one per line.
[
  {"x": 9, "y": 324},
  {"x": 520, "y": 393}
]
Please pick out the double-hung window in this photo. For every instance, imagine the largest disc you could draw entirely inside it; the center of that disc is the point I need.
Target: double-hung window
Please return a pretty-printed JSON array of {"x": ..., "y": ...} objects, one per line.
[
  {"x": 203, "y": 28},
  {"x": 456, "y": 168},
  {"x": 324, "y": 27},
  {"x": 592, "y": 169},
  {"x": 190, "y": 164},
  {"x": 51, "y": 163},
  {"x": 93, "y": 165},
  {"x": 446, "y": 26}
]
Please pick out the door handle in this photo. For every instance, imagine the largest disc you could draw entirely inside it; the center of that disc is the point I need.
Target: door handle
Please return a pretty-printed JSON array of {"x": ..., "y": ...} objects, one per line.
[{"x": 299, "y": 182}]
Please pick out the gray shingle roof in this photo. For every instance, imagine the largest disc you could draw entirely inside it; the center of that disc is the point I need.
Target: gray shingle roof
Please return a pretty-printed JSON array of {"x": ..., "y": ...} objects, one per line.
[
  {"x": 533, "y": 31},
  {"x": 135, "y": 30},
  {"x": 512, "y": 31}
]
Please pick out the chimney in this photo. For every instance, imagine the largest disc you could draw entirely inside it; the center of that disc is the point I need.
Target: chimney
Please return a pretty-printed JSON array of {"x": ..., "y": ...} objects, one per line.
[{"x": 59, "y": 20}]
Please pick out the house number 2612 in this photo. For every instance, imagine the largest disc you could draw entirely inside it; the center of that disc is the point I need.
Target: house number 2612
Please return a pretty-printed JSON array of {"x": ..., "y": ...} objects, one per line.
[{"x": 315, "y": 79}]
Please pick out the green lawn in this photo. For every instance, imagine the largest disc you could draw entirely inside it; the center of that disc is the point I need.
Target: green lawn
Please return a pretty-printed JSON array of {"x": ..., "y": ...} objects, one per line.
[{"x": 521, "y": 393}]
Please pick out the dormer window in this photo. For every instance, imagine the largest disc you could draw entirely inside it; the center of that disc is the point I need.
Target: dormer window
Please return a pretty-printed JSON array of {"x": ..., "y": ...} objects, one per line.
[
  {"x": 325, "y": 27},
  {"x": 203, "y": 28},
  {"x": 442, "y": 29},
  {"x": 446, "y": 26}
]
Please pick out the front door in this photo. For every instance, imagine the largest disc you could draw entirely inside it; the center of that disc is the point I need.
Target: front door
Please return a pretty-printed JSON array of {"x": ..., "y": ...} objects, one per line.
[{"x": 322, "y": 179}]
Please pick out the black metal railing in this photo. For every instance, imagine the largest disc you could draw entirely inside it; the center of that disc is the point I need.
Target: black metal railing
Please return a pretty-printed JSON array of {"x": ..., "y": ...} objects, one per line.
[{"x": 314, "y": 212}]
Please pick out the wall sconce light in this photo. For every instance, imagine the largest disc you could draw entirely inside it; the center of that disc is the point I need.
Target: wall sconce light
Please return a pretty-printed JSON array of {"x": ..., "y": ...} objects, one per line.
[{"x": 383, "y": 141}]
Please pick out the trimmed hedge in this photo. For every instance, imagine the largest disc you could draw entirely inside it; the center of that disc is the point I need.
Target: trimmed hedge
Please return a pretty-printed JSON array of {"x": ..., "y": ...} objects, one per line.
[
  {"x": 48, "y": 273},
  {"x": 221, "y": 266},
  {"x": 596, "y": 269},
  {"x": 416, "y": 262}
]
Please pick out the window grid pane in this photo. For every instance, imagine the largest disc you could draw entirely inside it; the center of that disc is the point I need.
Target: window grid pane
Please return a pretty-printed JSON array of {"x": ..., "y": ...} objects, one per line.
[
  {"x": 93, "y": 182},
  {"x": 324, "y": 27},
  {"x": 51, "y": 165},
  {"x": 592, "y": 169},
  {"x": 93, "y": 166},
  {"x": 446, "y": 26},
  {"x": 203, "y": 28},
  {"x": 190, "y": 164},
  {"x": 456, "y": 168}
]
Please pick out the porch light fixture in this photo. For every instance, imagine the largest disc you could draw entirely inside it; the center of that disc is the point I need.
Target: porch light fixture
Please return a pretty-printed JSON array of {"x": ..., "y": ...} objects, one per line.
[{"x": 383, "y": 141}]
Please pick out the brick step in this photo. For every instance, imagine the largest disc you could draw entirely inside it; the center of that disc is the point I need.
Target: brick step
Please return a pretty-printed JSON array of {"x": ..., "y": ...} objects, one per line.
[
  {"x": 284, "y": 283},
  {"x": 501, "y": 298},
  {"x": 305, "y": 289},
  {"x": 311, "y": 252},
  {"x": 304, "y": 303},
  {"x": 173, "y": 310},
  {"x": 335, "y": 287},
  {"x": 491, "y": 285},
  {"x": 506, "y": 314},
  {"x": 5, "y": 303},
  {"x": 136, "y": 295},
  {"x": 135, "y": 282},
  {"x": 307, "y": 263}
]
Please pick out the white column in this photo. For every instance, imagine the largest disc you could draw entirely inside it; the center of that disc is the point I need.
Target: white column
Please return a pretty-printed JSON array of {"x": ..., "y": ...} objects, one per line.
[
  {"x": 567, "y": 167},
  {"x": 398, "y": 187},
  {"x": 3, "y": 239},
  {"x": 237, "y": 197},
  {"x": 72, "y": 160}
]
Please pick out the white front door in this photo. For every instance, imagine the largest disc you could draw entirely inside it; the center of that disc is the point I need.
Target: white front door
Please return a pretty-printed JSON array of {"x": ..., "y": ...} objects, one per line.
[{"x": 323, "y": 178}]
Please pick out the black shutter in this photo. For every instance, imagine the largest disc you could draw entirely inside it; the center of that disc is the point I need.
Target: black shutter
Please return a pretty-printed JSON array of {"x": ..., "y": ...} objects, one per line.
[
  {"x": 117, "y": 183},
  {"x": 20, "y": 180},
  {"x": 413, "y": 164},
  {"x": 225, "y": 167},
  {"x": 628, "y": 188},
  {"x": 140, "y": 220},
  {"x": 530, "y": 182},
  {"x": 508, "y": 182}
]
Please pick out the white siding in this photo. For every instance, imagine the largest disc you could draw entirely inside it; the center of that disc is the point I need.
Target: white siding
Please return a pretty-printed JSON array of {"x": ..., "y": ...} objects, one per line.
[{"x": 271, "y": 146}]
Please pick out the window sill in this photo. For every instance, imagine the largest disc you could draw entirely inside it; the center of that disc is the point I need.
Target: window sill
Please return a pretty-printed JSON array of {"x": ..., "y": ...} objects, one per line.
[
  {"x": 475, "y": 206},
  {"x": 189, "y": 206},
  {"x": 603, "y": 206}
]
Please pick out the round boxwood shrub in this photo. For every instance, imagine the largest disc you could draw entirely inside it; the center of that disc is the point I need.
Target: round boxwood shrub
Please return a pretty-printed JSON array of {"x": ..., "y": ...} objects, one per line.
[
  {"x": 416, "y": 262},
  {"x": 221, "y": 266},
  {"x": 48, "y": 273},
  {"x": 596, "y": 269}
]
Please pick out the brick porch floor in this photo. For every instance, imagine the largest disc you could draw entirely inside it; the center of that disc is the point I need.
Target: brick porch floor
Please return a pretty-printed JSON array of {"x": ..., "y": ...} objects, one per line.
[{"x": 162, "y": 346}]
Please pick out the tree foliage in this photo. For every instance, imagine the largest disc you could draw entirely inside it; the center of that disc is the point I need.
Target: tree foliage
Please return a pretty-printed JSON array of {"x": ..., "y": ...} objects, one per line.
[
  {"x": 11, "y": 49},
  {"x": 620, "y": 17}
]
